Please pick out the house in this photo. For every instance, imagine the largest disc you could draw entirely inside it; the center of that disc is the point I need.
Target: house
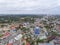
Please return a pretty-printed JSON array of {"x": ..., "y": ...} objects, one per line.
[{"x": 58, "y": 27}]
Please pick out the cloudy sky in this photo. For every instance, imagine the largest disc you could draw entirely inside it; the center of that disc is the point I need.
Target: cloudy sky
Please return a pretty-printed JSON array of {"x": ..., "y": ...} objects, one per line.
[{"x": 29, "y": 6}]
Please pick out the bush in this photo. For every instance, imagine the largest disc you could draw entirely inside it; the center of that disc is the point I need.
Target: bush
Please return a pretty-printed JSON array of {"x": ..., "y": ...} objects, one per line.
[
  {"x": 1, "y": 35},
  {"x": 40, "y": 41}
]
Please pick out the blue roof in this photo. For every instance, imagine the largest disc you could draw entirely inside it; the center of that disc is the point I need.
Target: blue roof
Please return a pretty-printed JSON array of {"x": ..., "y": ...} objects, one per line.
[{"x": 37, "y": 30}]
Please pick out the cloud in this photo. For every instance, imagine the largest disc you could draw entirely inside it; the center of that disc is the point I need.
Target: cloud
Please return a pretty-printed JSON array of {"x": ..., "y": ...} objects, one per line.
[{"x": 28, "y": 6}]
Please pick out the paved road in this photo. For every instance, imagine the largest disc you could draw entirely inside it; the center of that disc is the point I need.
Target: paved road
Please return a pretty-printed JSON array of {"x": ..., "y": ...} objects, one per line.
[
  {"x": 45, "y": 44},
  {"x": 50, "y": 43}
]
